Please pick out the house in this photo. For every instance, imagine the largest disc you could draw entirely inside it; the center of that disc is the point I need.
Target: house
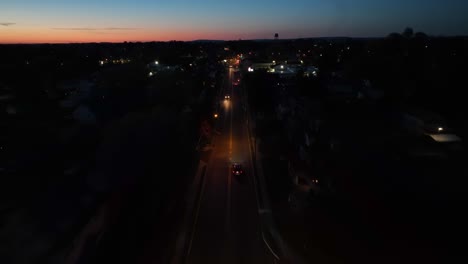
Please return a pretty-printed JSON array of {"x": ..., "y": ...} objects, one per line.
[
  {"x": 83, "y": 114},
  {"x": 342, "y": 90},
  {"x": 422, "y": 122},
  {"x": 75, "y": 92},
  {"x": 7, "y": 97},
  {"x": 156, "y": 66},
  {"x": 311, "y": 71},
  {"x": 285, "y": 70},
  {"x": 369, "y": 92},
  {"x": 254, "y": 66}
]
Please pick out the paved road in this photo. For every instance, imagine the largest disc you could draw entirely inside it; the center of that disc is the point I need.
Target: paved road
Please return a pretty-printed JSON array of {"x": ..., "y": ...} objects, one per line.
[{"x": 226, "y": 227}]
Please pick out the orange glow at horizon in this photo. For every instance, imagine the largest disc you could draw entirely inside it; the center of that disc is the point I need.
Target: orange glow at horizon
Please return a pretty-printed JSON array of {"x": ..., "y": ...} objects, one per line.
[{"x": 34, "y": 35}]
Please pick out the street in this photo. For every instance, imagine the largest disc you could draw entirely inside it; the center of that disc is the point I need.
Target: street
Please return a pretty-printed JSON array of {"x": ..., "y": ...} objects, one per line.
[{"x": 226, "y": 228}]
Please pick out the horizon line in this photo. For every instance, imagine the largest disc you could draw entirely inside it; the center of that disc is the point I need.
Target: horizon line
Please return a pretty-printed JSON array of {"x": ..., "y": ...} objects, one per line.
[{"x": 208, "y": 40}]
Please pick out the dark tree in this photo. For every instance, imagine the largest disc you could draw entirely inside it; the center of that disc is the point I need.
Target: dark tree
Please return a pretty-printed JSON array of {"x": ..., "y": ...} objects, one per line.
[
  {"x": 394, "y": 35},
  {"x": 421, "y": 35},
  {"x": 408, "y": 32}
]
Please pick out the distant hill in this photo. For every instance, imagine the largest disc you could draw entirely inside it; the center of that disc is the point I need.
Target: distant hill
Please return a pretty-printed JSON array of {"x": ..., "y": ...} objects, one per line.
[
  {"x": 281, "y": 40},
  {"x": 207, "y": 41}
]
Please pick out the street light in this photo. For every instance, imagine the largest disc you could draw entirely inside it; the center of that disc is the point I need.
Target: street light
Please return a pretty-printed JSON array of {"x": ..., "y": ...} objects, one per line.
[{"x": 215, "y": 115}]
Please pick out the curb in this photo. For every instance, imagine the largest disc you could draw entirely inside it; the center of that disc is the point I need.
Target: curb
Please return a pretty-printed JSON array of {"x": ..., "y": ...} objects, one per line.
[{"x": 271, "y": 237}]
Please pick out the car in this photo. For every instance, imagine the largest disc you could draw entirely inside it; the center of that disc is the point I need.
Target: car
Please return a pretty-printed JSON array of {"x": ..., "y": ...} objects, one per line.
[
  {"x": 237, "y": 169},
  {"x": 227, "y": 97}
]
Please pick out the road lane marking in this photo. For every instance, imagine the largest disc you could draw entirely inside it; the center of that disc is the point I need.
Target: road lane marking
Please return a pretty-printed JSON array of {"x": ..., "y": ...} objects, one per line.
[{"x": 269, "y": 247}]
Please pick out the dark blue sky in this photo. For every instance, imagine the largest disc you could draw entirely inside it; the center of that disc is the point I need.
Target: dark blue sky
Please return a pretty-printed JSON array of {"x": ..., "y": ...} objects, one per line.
[{"x": 119, "y": 20}]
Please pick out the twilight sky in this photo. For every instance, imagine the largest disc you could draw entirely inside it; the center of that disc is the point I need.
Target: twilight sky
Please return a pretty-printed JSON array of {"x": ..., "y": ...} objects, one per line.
[{"x": 58, "y": 21}]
